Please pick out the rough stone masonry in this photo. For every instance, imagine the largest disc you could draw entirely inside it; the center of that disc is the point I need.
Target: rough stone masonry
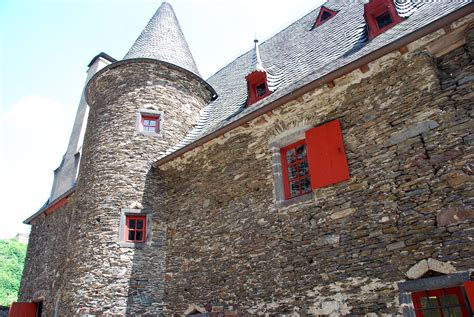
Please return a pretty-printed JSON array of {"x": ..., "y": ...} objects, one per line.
[{"x": 219, "y": 238}]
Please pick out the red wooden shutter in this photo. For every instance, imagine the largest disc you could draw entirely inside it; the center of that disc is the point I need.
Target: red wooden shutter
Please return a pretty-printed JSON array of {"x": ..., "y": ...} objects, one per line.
[
  {"x": 326, "y": 155},
  {"x": 469, "y": 287}
]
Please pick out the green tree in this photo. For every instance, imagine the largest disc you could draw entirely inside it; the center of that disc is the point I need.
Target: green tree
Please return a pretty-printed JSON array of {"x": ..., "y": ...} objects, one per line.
[{"x": 12, "y": 260}]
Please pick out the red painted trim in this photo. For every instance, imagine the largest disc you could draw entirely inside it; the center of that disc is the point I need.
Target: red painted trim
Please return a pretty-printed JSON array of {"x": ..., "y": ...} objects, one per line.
[
  {"x": 437, "y": 294},
  {"x": 376, "y": 8},
  {"x": 22, "y": 310},
  {"x": 285, "y": 165},
  {"x": 319, "y": 19},
  {"x": 147, "y": 126},
  {"x": 469, "y": 287},
  {"x": 135, "y": 230},
  {"x": 58, "y": 204},
  {"x": 254, "y": 80}
]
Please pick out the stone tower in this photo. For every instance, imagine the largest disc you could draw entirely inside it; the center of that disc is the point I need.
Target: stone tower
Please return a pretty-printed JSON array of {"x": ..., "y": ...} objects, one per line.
[{"x": 140, "y": 107}]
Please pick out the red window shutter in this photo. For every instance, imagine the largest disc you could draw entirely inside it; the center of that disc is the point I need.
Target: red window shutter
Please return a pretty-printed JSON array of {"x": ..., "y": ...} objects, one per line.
[
  {"x": 469, "y": 287},
  {"x": 326, "y": 155}
]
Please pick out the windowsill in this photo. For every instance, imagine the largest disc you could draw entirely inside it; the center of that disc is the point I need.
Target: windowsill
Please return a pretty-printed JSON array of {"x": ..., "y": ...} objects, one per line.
[
  {"x": 135, "y": 245},
  {"x": 152, "y": 134},
  {"x": 295, "y": 200}
]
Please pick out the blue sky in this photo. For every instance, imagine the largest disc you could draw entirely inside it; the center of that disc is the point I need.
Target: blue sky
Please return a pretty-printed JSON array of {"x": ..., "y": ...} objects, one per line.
[{"x": 45, "y": 46}]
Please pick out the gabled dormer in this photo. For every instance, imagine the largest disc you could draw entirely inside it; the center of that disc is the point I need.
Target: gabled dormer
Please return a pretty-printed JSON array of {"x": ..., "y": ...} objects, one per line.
[
  {"x": 324, "y": 15},
  {"x": 257, "y": 79},
  {"x": 380, "y": 15}
]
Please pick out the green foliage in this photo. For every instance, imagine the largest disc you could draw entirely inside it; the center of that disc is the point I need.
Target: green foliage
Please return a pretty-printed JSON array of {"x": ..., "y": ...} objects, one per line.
[{"x": 12, "y": 259}]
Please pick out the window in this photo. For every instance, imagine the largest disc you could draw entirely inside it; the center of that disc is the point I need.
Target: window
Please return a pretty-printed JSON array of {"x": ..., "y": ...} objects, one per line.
[
  {"x": 257, "y": 86},
  {"x": 380, "y": 16},
  {"x": 324, "y": 15},
  {"x": 135, "y": 228},
  {"x": 151, "y": 123},
  {"x": 261, "y": 90},
  {"x": 295, "y": 170},
  {"x": 383, "y": 20},
  {"x": 317, "y": 160},
  {"x": 442, "y": 302}
]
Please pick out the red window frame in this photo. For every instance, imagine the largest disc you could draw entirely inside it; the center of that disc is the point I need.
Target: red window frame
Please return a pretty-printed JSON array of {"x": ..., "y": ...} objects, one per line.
[
  {"x": 254, "y": 80},
  {"x": 134, "y": 228},
  {"x": 147, "y": 126},
  {"x": 437, "y": 294},
  {"x": 299, "y": 178},
  {"x": 376, "y": 8},
  {"x": 319, "y": 19}
]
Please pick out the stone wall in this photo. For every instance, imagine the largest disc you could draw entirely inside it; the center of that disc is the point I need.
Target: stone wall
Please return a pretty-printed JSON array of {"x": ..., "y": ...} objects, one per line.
[
  {"x": 75, "y": 258},
  {"x": 218, "y": 239},
  {"x": 407, "y": 127}
]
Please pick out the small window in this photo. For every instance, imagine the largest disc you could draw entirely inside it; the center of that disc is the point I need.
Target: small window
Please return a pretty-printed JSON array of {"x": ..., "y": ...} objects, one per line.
[
  {"x": 324, "y": 15},
  {"x": 257, "y": 86},
  {"x": 440, "y": 302},
  {"x": 135, "y": 228},
  {"x": 261, "y": 90},
  {"x": 380, "y": 16},
  {"x": 317, "y": 161},
  {"x": 295, "y": 170},
  {"x": 383, "y": 20},
  {"x": 151, "y": 124}
]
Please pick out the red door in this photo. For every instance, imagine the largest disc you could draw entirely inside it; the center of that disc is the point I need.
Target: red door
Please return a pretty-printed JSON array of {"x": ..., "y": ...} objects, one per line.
[{"x": 23, "y": 310}]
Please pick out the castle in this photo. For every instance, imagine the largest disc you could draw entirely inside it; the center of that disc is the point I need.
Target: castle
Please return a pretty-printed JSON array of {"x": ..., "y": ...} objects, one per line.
[{"x": 327, "y": 171}]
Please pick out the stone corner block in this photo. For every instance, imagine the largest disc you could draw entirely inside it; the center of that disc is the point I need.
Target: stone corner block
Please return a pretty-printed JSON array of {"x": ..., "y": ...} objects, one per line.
[
  {"x": 418, "y": 270},
  {"x": 440, "y": 267}
]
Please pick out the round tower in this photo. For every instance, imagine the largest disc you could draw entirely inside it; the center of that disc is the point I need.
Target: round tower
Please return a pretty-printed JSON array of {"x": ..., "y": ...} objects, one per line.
[{"x": 140, "y": 107}]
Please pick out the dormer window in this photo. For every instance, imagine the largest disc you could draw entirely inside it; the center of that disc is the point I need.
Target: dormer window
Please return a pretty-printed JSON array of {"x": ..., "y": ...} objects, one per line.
[
  {"x": 257, "y": 86},
  {"x": 380, "y": 15},
  {"x": 324, "y": 15}
]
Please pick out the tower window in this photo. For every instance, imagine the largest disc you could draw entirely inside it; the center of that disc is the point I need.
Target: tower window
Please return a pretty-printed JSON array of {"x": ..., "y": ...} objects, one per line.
[
  {"x": 135, "y": 228},
  {"x": 151, "y": 124}
]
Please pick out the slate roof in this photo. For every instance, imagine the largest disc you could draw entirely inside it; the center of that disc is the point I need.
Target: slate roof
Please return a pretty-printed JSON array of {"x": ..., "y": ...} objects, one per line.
[
  {"x": 163, "y": 39},
  {"x": 300, "y": 54}
]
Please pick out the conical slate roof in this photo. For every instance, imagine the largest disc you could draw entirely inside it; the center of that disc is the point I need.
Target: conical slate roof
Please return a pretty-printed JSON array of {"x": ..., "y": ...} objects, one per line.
[{"x": 163, "y": 39}]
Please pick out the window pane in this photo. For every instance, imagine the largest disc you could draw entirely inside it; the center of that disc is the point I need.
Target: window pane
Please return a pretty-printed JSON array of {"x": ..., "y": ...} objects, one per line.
[
  {"x": 303, "y": 167},
  {"x": 305, "y": 185},
  {"x": 152, "y": 123},
  {"x": 301, "y": 151},
  {"x": 383, "y": 20},
  {"x": 294, "y": 188},
  {"x": 146, "y": 122},
  {"x": 292, "y": 172},
  {"x": 449, "y": 300},
  {"x": 261, "y": 90},
  {"x": 131, "y": 224},
  {"x": 290, "y": 156},
  {"x": 452, "y": 312},
  {"x": 139, "y": 224},
  {"x": 326, "y": 15},
  {"x": 139, "y": 236},
  {"x": 131, "y": 235}
]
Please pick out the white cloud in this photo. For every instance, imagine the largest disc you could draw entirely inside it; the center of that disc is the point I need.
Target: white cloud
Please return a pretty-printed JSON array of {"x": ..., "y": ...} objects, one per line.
[{"x": 33, "y": 137}]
